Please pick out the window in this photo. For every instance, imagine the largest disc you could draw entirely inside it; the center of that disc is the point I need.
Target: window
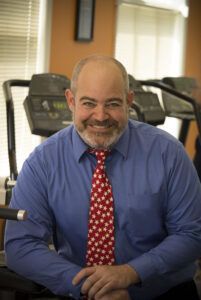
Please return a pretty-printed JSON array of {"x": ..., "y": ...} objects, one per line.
[
  {"x": 150, "y": 43},
  {"x": 21, "y": 28}
]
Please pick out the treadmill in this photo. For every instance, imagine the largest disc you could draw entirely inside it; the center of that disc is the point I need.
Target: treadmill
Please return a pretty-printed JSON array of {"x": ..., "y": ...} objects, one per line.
[
  {"x": 183, "y": 110},
  {"x": 147, "y": 103},
  {"x": 179, "y": 103},
  {"x": 45, "y": 107},
  {"x": 178, "y": 108}
]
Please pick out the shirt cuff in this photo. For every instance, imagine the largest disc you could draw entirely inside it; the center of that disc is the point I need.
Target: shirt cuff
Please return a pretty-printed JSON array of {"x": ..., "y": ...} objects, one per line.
[
  {"x": 67, "y": 288},
  {"x": 144, "y": 266}
]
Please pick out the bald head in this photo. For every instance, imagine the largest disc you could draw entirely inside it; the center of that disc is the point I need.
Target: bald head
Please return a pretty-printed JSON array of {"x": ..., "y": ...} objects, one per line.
[{"x": 96, "y": 63}]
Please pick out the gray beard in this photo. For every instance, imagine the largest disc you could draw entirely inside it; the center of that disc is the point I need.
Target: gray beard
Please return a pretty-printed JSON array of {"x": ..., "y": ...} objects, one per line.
[{"x": 109, "y": 141}]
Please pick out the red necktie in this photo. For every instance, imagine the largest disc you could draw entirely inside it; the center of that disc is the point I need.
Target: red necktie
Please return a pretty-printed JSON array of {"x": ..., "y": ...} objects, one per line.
[{"x": 100, "y": 247}]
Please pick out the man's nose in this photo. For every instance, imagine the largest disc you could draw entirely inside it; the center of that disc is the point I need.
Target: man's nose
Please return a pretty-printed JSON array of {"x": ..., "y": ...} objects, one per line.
[{"x": 100, "y": 113}]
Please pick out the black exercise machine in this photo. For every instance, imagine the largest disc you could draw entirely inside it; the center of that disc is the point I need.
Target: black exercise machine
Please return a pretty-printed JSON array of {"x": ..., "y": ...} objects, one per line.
[
  {"x": 177, "y": 104},
  {"x": 184, "y": 111},
  {"x": 178, "y": 108},
  {"x": 179, "y": 101}
]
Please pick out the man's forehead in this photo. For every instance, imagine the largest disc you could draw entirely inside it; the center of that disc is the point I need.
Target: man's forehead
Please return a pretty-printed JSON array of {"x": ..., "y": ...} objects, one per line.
[
  {"x": 96, "y": 72},
  {"x": 100, "y": 66}
]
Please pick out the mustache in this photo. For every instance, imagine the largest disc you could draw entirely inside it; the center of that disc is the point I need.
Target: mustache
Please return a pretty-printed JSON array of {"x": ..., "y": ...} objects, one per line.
[{"x": 105, "y": 123}]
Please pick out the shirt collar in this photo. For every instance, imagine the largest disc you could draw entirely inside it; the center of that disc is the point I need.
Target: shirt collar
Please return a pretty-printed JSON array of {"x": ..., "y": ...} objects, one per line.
[
  {"x": 123, "y": 143},
  {"x": 79, "y": 146}
]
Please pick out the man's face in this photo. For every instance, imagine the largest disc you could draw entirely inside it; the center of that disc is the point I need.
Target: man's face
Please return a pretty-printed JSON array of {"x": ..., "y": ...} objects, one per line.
[{"x": 100, "y": 106}]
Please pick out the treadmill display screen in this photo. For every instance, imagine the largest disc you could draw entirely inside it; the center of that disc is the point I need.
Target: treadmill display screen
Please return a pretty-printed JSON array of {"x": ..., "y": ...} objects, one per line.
[{"x": 59, "y": 105}]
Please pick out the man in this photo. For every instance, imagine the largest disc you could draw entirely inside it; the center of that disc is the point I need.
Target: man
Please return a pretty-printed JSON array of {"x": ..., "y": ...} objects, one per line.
[{"x": 156, "y": 197}]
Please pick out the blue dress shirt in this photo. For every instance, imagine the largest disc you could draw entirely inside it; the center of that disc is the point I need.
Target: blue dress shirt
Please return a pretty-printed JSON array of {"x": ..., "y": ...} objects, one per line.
[{"x": 157, "y": 200}]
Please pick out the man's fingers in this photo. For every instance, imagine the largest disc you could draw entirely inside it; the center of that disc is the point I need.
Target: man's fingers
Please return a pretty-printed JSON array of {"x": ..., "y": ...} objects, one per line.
[
  {"x": 93, "y": 288},
  {"x": 82, "y": 274},
  {"x": 103, "y": 291},
  {"x": 88, "y": 284}
]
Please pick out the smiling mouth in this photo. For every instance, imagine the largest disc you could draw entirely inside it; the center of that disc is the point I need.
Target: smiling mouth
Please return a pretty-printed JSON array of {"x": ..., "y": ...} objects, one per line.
[
  {"x": 105, "y": 125},
  {"x": 99, "y": 128}
]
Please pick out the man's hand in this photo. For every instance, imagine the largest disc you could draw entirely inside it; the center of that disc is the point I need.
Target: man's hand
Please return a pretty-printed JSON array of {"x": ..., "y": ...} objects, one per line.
[{"x": 101, "y": 280}]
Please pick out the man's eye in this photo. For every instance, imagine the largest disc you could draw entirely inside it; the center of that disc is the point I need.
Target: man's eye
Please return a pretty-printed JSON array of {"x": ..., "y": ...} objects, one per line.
[
  {"x": 88, "y": 104},
  {"x": 113, "y": 104}
]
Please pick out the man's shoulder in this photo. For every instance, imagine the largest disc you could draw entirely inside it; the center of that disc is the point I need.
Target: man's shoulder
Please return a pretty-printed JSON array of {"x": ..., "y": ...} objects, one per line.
[
  {"x": 150, "y": 139},
  {"x": 54, "y": 144},
  {"x": 149, "y": 132},
  {"x": 62, "y": 136}
]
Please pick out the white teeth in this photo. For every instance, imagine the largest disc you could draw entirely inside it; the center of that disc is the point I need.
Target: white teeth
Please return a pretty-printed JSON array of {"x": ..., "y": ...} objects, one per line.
[{"x": 97, "y": 126}]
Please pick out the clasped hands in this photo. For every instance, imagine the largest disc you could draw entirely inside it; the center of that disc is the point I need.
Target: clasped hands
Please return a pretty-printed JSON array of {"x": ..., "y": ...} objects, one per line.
[{"x": 106, "y": 282}]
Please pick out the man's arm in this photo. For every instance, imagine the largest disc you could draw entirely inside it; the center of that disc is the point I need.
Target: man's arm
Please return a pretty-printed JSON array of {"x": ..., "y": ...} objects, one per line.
[
  {"x": 26, "y": 243},
  {"x": 182, "y": 221}
]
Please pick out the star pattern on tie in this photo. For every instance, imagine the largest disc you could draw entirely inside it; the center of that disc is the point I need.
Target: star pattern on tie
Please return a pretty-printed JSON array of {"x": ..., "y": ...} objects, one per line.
[{"x": 100, "y": 247}]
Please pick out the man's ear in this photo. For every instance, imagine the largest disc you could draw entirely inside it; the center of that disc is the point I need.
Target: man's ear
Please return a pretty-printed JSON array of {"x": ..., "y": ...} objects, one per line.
[
  {"x": 70, "y": 99},
  {"x": 130, "y": 98}
]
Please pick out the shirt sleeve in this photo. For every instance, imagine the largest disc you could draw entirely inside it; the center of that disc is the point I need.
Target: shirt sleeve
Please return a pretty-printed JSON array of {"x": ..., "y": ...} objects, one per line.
[
  {"x": 27, "y": 242},
  {"x": 182, "y": 220}
]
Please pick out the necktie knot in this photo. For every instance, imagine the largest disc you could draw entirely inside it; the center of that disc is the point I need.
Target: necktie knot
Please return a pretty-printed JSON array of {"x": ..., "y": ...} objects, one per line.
[{"x": 100, "y": 154}]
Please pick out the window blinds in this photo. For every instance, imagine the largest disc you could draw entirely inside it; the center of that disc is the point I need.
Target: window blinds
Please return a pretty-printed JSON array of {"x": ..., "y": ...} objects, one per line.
[
  {"x": 150, "y": 43},
  {"x": 19, "y": 26}
]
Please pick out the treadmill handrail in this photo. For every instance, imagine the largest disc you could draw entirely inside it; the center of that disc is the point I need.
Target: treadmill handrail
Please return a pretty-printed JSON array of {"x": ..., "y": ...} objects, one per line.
[
  {"x": 174, "y": 92},
  {"x": 137, "y": 107},
  {"x": 11, "y": 122},
  {"x": 13, "y": 214}
]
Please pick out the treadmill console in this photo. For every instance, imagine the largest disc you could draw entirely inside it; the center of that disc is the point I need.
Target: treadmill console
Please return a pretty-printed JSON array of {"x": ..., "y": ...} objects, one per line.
[
  {"x": 45, "y": 105},
  {"x": 174, "y": 106},
  {"x": 148, "y": 103},
  {"x": 150, "y": 107},
  {"x": 183, "y": 84}
]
